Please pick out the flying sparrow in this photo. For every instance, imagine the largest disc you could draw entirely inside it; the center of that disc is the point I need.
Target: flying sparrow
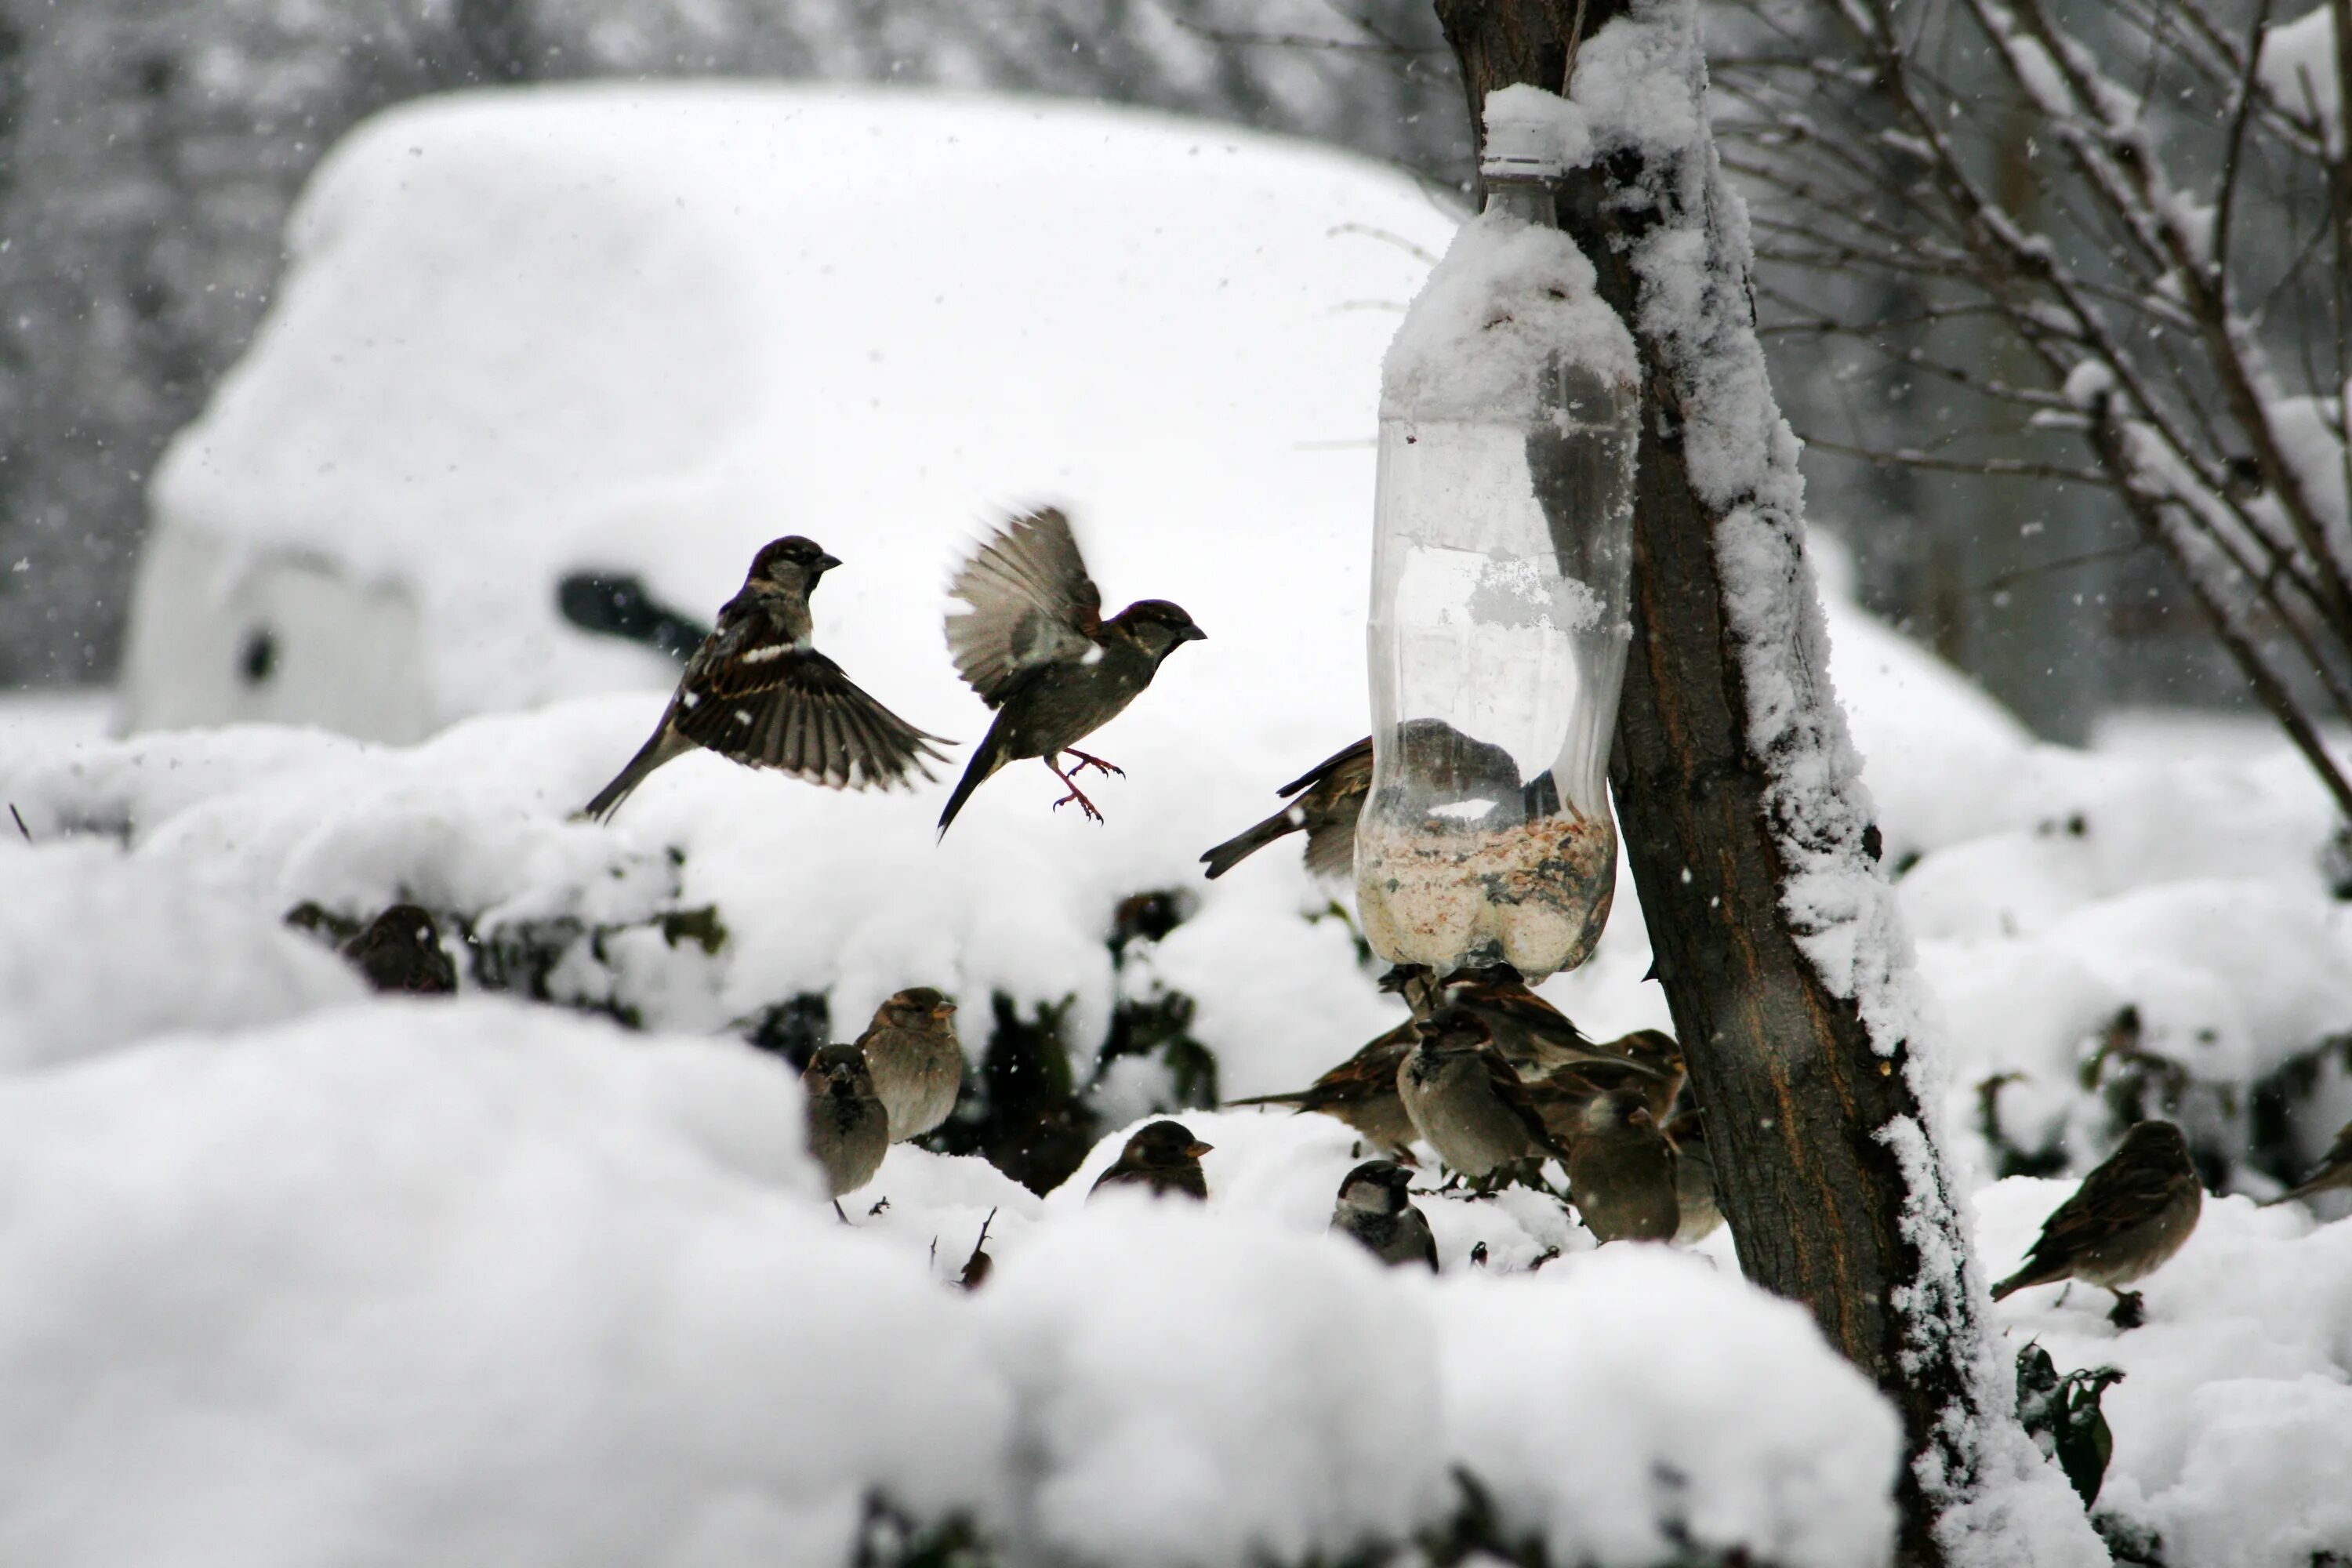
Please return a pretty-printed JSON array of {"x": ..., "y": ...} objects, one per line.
[
  {"x": 1375, "y": 1209},
  {"x": 848, "y": 1130},
  {"x": 1361, "y": 1091},
  {"x": 1163, "y": 1157},
  {"x": 2335, "y": 1171},
  {"x": 401, "y": 950},
  {"x": 2128, "y": 1217},
  {"x": 1467, "y": 1101},
  {"x": 1694, "y": 1179},
  {"x": 918, "y": 1065},
  {"x": 1330, "y": 795},
  {"x": 1621, "y": 1172},
  {"x": 757, "y": 692},
  {"x": 1034, "y": 646}
]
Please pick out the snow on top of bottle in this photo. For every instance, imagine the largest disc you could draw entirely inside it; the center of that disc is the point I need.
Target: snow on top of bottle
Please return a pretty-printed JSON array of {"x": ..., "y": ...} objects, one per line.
[{"x": 1508, "y": 300}]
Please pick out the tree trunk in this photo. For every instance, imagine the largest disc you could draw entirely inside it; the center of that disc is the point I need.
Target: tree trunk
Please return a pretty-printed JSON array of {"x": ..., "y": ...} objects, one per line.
[{"x": 1797, "y": 1096}]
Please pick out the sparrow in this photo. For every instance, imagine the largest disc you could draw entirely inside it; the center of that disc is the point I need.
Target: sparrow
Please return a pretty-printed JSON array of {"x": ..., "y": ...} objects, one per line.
[
  {"x": 2335, "y": 1171},
  {"x": 1330, "y": 795},
  {"x": 918, "y": 1065},
  {"x": 1361, "y": 1091},
  {"x": 757, "y": 692},
  {"x": 848, "y": 1130},
  {"x": 2128, "y": 1217},
  {"x": 1533, "y": 1035},
  {"x": 1467, "y": 1101},
  {"x": 401, "y": 950},
  {"x": 1034, "y": 646},
  {"x": 1563, "y": 1095},
  {"x": 1163, "y": 1157},
  {"x": 1621, "y": 1172},
  {"x": 1693, "y": 1179},
  {"x": 1660, "y": 1056},
  {"x": 1375, "y": 1209}
]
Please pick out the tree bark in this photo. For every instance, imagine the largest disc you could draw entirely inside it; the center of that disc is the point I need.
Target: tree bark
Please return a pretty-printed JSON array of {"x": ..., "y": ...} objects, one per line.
[{"x": 1795, "y": 1091}]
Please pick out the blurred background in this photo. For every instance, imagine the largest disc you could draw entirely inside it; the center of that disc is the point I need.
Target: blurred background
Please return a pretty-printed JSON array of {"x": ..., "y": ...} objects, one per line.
[{"x": 151, "y": 150}]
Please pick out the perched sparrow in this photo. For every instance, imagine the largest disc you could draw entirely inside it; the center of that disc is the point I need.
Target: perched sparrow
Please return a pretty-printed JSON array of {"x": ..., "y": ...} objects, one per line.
[
  {"x": 1034, "y": 646},
  {"x": 2335, "y": 1171},
  {"x": 1533, "y": 1035},
  {"x": 1330, "y": 797},
  {"x": 848, "y": 1130},
  {"x": 1693, "y": 1179},
  {"x": 1466, "y": 1102},
  {"x": 2128, "y": 1216},
  {"x": 1621, "y": 1172},
  {"x": 1361, "y": 1091},
  {"x": 1562, "y": 1096},
  {"x": 917, "y": 1063},
  {"x": 1163, "y": 1157},
  {"x": 757, "y": 692},
  {"x": 401, "y": 950},
  {"x": 1660, "y": 1056},
  {"x": 1374, "y": 1208}
]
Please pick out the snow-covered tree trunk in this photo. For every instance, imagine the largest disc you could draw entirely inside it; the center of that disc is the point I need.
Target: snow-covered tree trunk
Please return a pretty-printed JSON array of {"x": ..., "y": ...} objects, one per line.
[{"x": 1749, "y": 833}]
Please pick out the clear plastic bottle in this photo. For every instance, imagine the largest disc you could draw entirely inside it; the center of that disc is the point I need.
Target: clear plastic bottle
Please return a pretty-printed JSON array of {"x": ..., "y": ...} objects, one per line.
[{"x": 1501, "y": 568}]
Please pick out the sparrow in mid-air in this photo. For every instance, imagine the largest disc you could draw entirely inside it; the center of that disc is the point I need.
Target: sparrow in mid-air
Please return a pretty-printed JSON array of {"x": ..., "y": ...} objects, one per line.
[
  {"x": 1330, "y": 797},
  {"x": 1036, "y": 646},
  {"x": 848, "y": 1130},
  {"x": 1621, "y": 1172},
  {"x": 2335, "y": 1171},
  {"x": 1163, "y": 1157},
  {"x": 916, "y": 1062},
  {"x": 2129, "y": 1217},
  {"x": 1361, "y": 1091},
  {"x": 757, "y": 692},
  {"x": 1467, "y": 1101},
  {"x": 401, "y": 951},
  {"x": 1375, "y": 1207}
]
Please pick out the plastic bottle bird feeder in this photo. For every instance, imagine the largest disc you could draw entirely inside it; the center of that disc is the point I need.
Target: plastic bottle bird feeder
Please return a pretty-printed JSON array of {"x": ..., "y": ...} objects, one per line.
[{"x": 1502, "y": 558}]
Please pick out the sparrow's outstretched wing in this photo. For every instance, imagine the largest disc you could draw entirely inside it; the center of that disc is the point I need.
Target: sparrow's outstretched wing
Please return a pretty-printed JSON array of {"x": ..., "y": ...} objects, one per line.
[
  {"x": 775, "y": 705},
  {"x": 1031, "y": 601}
]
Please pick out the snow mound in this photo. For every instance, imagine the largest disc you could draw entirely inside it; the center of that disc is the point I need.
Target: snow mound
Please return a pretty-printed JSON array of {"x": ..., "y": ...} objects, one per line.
[{"x": 471, "y": 1281}]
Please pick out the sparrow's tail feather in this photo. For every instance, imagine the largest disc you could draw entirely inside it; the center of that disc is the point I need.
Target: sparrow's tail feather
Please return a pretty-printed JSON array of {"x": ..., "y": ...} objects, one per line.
[
  {"x": 986, "y": 758},
  {"x": 1298, "y": 1099},
  {"x": 2310, "y": 1189},
  {"x": 1241, "y": 845},
  {"x": 667, "y": 745}
]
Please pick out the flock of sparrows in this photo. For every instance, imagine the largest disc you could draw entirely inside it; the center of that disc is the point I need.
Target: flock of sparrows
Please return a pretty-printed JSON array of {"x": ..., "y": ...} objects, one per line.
[{"x": 1486, "y": 1073}]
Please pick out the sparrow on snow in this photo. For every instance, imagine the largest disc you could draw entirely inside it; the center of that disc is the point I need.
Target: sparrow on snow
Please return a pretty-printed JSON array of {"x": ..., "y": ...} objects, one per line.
[
  {"x": 2130, "y": 1215},
  {"x": 848, "y": 1130},
  {"x": 1361, "y": 1091},
  {"x": 916, "y": 1060},
  {"x": 1467, "y": 1101},
  {"x": 1163, "y": 1157},
  {"x": 1375, "y": 1207}
]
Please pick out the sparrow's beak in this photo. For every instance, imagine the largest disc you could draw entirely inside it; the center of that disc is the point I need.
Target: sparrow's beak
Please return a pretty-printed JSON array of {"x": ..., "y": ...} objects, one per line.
[
  {"x": 826, "y": 563},
  {"x": 1191, "y": 633},
  {"x": 1196, "y": 1148},
  {"x": 943, "y": 1012}
]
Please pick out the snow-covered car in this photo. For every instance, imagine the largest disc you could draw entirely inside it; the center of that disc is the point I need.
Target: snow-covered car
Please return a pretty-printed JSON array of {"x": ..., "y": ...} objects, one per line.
[{"x": 639, "y": 330}]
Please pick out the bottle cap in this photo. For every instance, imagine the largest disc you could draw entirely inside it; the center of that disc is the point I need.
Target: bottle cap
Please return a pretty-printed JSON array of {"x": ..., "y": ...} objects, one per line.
[{"x": 1523, "y": 136}]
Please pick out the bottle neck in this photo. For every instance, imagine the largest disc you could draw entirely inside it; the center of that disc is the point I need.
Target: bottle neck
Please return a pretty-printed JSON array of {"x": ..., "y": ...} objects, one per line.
[{"x": 1529, "y": 200}]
